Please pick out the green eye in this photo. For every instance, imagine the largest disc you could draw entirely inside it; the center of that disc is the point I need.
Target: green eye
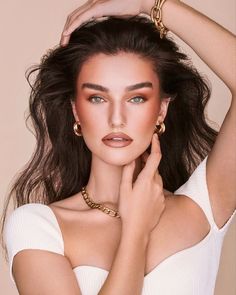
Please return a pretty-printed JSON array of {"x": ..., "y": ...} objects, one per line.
[
  {"x": 95, "y": 99},
  {"x": 137, "y": 99}
]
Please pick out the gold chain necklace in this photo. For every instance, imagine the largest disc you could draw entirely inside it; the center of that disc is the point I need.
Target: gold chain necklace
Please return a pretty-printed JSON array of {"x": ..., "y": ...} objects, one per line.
[{"x": 94, "y": 205}]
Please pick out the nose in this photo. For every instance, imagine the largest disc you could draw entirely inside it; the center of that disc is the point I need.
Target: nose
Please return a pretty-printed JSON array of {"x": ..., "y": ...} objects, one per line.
[{"x": 117, "y": 116}]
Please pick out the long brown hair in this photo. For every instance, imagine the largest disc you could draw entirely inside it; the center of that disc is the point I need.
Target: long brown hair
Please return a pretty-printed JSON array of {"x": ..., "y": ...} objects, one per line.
[{"x": 60, "y": 165}]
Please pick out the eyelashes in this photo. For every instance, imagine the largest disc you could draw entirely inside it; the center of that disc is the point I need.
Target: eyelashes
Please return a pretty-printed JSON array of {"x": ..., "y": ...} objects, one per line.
[
  {"x": 143, "y": 99},
  {"x": 93, "y": 99}
]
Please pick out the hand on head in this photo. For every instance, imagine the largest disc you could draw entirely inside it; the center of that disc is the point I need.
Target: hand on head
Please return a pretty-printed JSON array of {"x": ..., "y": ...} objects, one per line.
[{"x": 94, "y": 9}]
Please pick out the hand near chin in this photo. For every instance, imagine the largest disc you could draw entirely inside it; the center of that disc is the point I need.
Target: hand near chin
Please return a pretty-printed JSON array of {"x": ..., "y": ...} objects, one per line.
[{"x": 142, "y": 203}]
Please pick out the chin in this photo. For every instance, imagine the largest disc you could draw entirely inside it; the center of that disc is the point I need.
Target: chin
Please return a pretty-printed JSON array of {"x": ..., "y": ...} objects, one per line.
[
  {"x": 118, "y": 161},
  {"x": 118, "y": 158}
]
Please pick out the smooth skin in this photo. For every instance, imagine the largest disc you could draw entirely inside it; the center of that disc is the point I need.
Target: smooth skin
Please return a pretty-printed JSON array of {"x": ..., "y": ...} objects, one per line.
[
  {"x": 221, "y": 163},
  {"x": 116, "y": 108},
  {"x": 132, "y": 205}
]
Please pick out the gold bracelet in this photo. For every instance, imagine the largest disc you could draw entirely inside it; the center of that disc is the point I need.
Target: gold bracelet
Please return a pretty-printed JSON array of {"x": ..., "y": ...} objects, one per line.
[{"x": 156, "y": 17}]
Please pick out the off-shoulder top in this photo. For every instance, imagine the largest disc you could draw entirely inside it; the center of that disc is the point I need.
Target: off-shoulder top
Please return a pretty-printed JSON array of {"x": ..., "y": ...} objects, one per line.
[{"x": 191, "y": 271}]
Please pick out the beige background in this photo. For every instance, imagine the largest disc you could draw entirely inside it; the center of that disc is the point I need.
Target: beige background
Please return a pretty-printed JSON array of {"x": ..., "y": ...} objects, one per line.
[{"x": 27, "y": 29}]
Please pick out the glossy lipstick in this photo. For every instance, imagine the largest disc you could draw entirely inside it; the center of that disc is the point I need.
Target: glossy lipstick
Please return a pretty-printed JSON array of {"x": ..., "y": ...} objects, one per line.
[{"x": 117, "y": 140}]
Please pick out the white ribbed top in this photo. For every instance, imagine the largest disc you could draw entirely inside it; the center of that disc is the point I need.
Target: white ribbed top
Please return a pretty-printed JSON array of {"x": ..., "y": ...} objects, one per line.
[{"x": 191, "y": 271}]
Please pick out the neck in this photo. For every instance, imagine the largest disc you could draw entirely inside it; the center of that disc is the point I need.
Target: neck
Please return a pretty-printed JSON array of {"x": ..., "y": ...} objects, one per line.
[{"x": 104, "y": 182}]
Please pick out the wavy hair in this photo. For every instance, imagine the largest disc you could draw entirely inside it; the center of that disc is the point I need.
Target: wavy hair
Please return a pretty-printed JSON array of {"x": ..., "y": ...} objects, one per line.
[{"x": 61, "y": 162}]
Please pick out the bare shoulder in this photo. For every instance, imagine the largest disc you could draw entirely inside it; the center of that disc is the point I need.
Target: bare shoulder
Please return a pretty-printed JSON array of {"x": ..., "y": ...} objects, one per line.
[
  {"x": 83, "y": 226},
  {"x": 185, "y": 216},
  {"x": 182, "y": 225},
  {"x": 75, "y": 209},
  {"x": 179, "y": 208},
  {"x": 72, "y": 203}
]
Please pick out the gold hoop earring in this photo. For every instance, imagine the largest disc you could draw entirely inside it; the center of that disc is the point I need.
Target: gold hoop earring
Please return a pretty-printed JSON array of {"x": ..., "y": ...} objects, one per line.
[
  {"x": 160, "y": 128},
  {"x": 77, "y": 129}
]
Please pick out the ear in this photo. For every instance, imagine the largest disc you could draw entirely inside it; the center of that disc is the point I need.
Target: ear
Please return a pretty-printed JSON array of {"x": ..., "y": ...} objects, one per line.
[
  {"x": 163, "y": 109},
  {"x": 74, "y": 111}
]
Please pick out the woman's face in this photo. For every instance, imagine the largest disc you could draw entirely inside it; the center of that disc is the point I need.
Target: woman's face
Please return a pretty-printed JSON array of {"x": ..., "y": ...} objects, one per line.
[{"x": 105, "y": 103}]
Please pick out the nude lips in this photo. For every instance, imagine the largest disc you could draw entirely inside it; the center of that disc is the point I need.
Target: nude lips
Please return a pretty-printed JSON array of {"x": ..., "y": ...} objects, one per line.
[
  {"x": 118, "y": 139},
  {"x": 116, "y": 143}
]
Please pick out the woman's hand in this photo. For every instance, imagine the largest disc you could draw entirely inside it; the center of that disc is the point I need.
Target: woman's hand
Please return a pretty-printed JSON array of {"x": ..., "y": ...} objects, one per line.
[
  {"x": 99, "y": 8},
  {"x": 141, "y": 206}
]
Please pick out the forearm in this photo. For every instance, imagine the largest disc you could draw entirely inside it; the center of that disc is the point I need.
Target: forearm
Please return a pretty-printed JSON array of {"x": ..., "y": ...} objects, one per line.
[
  {"x": 127, "y": 271},
  {"x": 214, "y": 45}
]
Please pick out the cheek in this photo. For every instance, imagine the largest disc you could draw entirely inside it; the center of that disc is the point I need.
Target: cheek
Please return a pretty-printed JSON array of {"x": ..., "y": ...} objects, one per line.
[
  {"x": 146, "y": 119},
  {"x": 88, "y": 119},
  {"x": 93, "y": 131},
  {"x": 145, "y": 126}
]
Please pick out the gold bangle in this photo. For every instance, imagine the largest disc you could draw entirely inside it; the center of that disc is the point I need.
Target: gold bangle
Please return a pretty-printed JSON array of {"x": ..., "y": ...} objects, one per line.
[{"x": 156, "y": 17}]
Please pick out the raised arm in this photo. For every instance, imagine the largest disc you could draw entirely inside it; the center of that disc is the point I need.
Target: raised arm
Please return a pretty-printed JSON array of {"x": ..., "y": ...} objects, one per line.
[
  {"x": 214, "y": 44},
  {"x": 217, "y": 48}
]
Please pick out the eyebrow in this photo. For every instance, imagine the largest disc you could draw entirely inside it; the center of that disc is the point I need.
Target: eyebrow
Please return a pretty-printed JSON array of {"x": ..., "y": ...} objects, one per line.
[{"x": 128, "y": 88}]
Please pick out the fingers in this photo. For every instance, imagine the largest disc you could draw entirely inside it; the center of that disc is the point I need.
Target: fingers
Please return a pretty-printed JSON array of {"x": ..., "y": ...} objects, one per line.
[
  {"x": 86, "y": 12},
  {"x": 144, "y": 158},
  {"x": 75, "y": 14},
  {"x": 127, "y": 177},
  {"x": 151, "y": 166},
  {"x": 96, "y": 9},
  {"x": 65, "y": 36}
]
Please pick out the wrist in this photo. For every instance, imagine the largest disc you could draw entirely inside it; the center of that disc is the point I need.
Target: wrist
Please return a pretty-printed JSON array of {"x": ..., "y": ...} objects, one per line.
[
  {"x": 135, "y": 235},
  {"x": 147, "y": 6}
]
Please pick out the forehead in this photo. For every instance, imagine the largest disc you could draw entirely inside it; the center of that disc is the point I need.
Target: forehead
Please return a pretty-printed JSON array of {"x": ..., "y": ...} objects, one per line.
[{"x": 117, "y": 70}]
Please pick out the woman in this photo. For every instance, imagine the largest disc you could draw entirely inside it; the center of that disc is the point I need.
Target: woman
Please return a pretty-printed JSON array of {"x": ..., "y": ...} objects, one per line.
[{"x": 121, "y": 215}]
